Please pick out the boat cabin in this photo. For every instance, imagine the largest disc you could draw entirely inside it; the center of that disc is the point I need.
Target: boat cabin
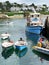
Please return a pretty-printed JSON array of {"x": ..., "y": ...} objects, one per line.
[{"x": 34, "y": 19}]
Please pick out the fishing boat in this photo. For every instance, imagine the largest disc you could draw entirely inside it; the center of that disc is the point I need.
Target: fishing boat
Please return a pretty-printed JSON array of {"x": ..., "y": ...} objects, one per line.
[
  {"x": 7, "y": 45},
  {"x": 34, "y": 23},
  {"x": 42, "y": 46},
  {"x": 20, "y": 44},
  {"x": 5, "y": 36}
]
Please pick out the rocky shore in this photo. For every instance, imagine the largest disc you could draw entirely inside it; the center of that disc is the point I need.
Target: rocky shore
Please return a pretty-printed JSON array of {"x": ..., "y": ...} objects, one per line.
[{"x": 4, "y": 16}]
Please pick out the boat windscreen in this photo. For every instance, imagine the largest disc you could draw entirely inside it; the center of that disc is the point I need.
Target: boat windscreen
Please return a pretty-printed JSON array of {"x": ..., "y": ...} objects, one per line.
[{"x": 34, "y": 19}]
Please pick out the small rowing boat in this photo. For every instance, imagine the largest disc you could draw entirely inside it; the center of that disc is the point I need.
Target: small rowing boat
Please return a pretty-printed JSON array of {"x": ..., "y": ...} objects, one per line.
[
  {"x": 20, "y": 45},
  {"x": 6, "y": 44},
  {"x": 5, "y": 36}
]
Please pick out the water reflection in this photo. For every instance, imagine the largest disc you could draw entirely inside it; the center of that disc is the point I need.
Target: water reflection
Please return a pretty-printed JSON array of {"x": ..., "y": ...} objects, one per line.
[
  {"x": 41, "y": 55},
  {"x": 7, "y": 53},
  {"x": 21, "y": 53},
  {"x": 33, "y": 37}
]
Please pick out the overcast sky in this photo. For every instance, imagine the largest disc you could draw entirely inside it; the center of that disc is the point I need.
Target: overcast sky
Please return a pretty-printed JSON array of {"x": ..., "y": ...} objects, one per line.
[{"x": 36, "y": 2}]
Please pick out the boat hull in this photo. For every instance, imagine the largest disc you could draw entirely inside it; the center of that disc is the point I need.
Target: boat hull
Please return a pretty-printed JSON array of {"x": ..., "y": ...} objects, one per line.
[
  {"x": 4, "y": 38},
  {"x": 21, "y": 53},
  {"x": 7, "y": 53},
  {"x": 20, "y": 47},
  {"x": 42, "y": 50},
  {"x": 7, "y": 48},
  {"x": 34, "y": 29}
]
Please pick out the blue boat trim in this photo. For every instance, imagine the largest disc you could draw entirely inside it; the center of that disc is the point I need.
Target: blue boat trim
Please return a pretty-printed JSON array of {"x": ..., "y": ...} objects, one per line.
[
  {"x": 34, "y": 29},
  {"x": 20, "y": 47}
]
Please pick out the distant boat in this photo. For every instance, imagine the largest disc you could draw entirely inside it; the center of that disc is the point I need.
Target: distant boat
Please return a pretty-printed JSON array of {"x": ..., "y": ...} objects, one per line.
[
  {"x": 9, "y": 23},
  {"x": 5, "y": 36},
  {"x": 7, "y": 45},
  {"x": 34, "y": 23},
  {"x": 20, "y": 45}
]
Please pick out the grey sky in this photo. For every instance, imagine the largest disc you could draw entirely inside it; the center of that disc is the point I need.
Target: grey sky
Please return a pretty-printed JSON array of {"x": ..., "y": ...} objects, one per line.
[{"x": 37, "y": 2}]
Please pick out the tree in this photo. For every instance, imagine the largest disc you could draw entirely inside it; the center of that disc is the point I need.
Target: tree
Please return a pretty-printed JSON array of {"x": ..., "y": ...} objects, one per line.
[
  {"x": 1, "y": 7},
  {"x": 26, "y": 13},
  {"x": 8, "y": 5},
  {"x": 32, "y": 4},
  {"x": 15, "y": 4},
  {"x": 44, "y": 7}
]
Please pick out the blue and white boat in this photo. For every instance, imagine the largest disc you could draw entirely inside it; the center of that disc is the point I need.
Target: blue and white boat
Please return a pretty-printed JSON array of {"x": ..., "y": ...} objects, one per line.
[
  {"x": 20, "y": 45},
  {"x": 34, "y": 24}
]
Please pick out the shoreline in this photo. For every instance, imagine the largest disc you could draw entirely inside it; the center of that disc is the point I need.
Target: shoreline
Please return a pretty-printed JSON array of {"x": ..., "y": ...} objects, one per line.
[
  {"x": 16, "y": 16},
  {"x": 4, "y": 16}
]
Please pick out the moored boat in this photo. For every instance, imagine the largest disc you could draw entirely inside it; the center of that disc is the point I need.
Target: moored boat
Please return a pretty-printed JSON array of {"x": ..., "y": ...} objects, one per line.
[
  {"x": 20, "y": 45},
  {"x": 5, "y": 36},
  {"x": 42, "y": 50},
  {"x": 7, "y": 45},
  {"x": 42, "y": 46},
  {"x": 34, "y": 24}
]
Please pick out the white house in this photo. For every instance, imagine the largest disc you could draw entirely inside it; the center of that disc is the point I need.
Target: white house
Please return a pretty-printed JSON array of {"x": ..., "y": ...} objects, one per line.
[
  {"x": 24, "y": 8},
  {"x": 31, "y": 8},
  {"x": 39, "y": 8},
  {"x": 15, "y": 9}
]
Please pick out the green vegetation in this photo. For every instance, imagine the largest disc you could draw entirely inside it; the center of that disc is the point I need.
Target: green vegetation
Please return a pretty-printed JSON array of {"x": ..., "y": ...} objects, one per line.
[
  {"x": 26, "y": 13},
  {"x": 13, "y": 13},
  {"x": 6, "y": 8},
  {"x": 45, "y": 13}
]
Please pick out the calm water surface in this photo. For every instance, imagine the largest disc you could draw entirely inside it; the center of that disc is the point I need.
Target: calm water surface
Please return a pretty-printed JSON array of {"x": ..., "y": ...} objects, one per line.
[{"x": 25, "y": 57}]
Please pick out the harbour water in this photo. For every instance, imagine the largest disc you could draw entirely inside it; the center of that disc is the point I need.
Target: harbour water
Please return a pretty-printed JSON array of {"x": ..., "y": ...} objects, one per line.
[{"x": 26, "y": 57}]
